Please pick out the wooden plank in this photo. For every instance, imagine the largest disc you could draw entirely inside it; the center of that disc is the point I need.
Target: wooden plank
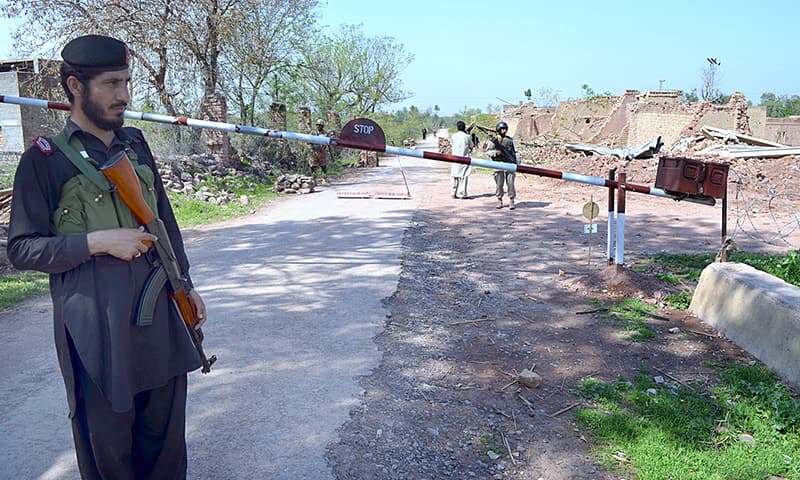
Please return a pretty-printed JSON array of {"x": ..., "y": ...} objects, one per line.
[{"x": 714, "y": 131}]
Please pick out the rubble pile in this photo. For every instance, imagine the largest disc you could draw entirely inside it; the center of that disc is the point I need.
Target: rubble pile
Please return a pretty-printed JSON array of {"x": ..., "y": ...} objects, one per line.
[
  {"x": 778, "y": 175},
  {"x": 193, "y": 175},
  {"x": 199, "y": 175},
  {"x": 295, "y": 183}
]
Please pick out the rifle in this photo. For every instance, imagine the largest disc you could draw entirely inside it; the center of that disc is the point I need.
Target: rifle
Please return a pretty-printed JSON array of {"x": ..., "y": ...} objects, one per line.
[
  {"x": 507, "y": 157},
  {"x": 119, "y": 171}
]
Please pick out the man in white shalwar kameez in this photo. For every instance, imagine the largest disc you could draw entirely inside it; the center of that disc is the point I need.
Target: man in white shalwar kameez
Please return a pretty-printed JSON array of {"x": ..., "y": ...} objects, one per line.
[{"x": 461, "y": 145}]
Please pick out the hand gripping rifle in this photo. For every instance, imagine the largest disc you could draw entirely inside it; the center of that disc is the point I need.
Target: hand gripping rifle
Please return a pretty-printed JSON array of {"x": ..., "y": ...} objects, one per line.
[
  {"x": 119, "y": 171},
  {"x": 507, "y": 157}
]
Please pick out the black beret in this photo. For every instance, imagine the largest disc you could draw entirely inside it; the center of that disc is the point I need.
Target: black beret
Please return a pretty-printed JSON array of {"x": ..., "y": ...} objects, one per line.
[{"x": 96, "y": 53}]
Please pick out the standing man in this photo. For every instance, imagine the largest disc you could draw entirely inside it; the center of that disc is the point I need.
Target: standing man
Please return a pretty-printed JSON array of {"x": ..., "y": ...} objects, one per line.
[
  {"x": 461, "y": 145},
  {"x": 319, "y": 158},
  {"x": 503, "y": 151},
  {"x": 126, "y": 382}
]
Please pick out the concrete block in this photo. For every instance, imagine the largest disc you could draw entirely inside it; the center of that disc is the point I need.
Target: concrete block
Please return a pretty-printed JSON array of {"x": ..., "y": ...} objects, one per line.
[{"x": 757, "y": 311}]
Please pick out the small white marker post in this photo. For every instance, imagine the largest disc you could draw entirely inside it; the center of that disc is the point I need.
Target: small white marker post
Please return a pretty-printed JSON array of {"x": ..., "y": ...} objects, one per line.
[{"x": 591, "y": 210}]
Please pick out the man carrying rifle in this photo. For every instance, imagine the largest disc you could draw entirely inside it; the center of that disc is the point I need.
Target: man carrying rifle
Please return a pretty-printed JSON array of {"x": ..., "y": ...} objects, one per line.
[
  {"x": 125, "y": 378},
  {"x": 502, "y": 150}
]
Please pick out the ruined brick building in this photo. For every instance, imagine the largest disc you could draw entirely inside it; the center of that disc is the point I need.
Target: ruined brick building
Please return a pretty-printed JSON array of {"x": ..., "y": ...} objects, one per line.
[{"x": 633, "y": 119}]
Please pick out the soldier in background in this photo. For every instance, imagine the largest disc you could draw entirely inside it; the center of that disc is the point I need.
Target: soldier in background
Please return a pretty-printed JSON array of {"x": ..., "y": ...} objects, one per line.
[
  {"x": 319, "y": 157},
  {"x": 503, "y": 151}
]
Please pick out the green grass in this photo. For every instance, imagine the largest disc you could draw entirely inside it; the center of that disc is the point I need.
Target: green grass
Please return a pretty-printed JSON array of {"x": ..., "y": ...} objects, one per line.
[
  {"x": 6, "y": 180},
  {"x": 680, "y": 300},
  {"x": 16, "y": 288},
  {"x": 632, "y": 314},
  {"x": 785, "y": 267},
  {"x": 670, "y": 431},
  {"x": 682, "y": 266},
  {"x": 190, "y": 211},
  {"x": 678, "y": 269}
]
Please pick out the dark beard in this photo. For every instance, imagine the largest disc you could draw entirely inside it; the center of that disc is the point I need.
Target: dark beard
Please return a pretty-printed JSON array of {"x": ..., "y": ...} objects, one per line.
[{"x": 94, "y": 113}]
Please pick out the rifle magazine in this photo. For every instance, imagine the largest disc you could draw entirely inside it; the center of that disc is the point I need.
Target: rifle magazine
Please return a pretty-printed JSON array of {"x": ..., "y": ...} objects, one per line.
[{"x": 145, "y": 307}]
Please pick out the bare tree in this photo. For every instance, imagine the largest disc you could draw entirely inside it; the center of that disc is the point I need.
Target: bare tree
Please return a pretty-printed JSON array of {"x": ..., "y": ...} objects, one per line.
[
  {"x": 146, "y": 26},
  {"x": 709, "y": 91},
  {"x": 172, "y": 39}
]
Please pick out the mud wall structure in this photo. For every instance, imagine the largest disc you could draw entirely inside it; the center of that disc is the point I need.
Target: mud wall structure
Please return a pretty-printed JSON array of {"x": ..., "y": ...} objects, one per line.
[
  {"x": 634, "y": 119},
  {"x": 785, "y": 131}
]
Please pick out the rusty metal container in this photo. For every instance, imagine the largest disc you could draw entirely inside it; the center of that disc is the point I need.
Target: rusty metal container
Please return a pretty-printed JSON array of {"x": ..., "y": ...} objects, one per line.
[{"x": 691, "y": 176}]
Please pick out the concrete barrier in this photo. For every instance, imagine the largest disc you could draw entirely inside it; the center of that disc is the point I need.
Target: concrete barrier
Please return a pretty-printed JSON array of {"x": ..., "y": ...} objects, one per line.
[{"x": 755, "y": 310}]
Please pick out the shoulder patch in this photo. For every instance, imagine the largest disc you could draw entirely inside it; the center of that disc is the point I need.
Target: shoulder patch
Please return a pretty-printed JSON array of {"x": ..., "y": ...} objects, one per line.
[{"x": 43, "y": 145}]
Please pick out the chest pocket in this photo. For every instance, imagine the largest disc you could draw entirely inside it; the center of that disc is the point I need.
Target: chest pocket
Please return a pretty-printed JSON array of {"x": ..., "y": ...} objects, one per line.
[{"x": 84, "y": 207}]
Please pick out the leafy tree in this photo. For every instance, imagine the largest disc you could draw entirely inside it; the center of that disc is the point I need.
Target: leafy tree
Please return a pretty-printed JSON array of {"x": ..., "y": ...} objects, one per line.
[
  {"x": 528, "y": 94},
  {"x": 184, "y": 51},
  {"x": 723, "y": 98},
  {"x": 590, "y": 94},
  {"x": 267, "y": 35},
  {"x": 780, "y": 105},
  {"x": 691, "y": 96},
  {"x": 49, "y": 24},
  {"x": 353, "y": 74}
]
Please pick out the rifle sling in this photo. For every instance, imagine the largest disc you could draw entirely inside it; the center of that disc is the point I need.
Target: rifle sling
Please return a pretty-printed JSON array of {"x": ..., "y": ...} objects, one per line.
[{"x": 76, "y": 153}]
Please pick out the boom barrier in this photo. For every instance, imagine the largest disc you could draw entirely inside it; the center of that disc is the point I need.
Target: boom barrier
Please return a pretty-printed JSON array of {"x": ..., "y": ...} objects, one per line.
[{"x": 365, "y": 134}]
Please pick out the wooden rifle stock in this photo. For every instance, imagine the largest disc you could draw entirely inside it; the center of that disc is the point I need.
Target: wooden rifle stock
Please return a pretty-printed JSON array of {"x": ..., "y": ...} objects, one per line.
[{"x": 120, "y": 172}]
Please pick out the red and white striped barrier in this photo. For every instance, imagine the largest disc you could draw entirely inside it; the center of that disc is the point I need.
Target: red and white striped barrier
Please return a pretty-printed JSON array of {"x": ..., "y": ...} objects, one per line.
[{"x": 365, "y": 134}]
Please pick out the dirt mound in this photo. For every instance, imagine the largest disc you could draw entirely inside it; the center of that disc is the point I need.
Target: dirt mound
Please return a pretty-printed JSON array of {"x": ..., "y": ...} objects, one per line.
[{"x": 616, "y": 281}]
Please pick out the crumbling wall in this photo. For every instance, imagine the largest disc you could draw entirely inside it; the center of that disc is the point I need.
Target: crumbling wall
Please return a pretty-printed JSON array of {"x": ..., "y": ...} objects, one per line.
[
  {"x": 569, "y": 121},
  {"x": 581, "y": 120},
  {"x": 758, "y": 121},
  {"x": 531, "y": 124},
  {"x": 19, "y": 126},
  {"x": 672, "y": 121},
  {"x": 633, "y": 119},
  {"x": 648, "y": 121},
  {"x": 615, "y": 128},
  {"x": 785, "y": 131},
  {"x": 218, "y": 144}
]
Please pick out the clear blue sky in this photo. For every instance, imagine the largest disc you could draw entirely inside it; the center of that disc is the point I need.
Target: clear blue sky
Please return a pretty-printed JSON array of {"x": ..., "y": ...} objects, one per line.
[{"x": 468, "y": 53}]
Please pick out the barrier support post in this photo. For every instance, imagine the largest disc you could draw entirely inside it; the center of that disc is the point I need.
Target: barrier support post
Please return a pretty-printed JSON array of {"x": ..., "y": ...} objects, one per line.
[
  {"x": 725, "y": 214},
  {"x": 620, "y": 257},
  {"x": 612, "y": 176}
]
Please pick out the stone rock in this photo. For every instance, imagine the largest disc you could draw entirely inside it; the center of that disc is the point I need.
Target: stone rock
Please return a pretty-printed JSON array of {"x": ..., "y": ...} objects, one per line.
[{"x": 529, "y": 378}]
